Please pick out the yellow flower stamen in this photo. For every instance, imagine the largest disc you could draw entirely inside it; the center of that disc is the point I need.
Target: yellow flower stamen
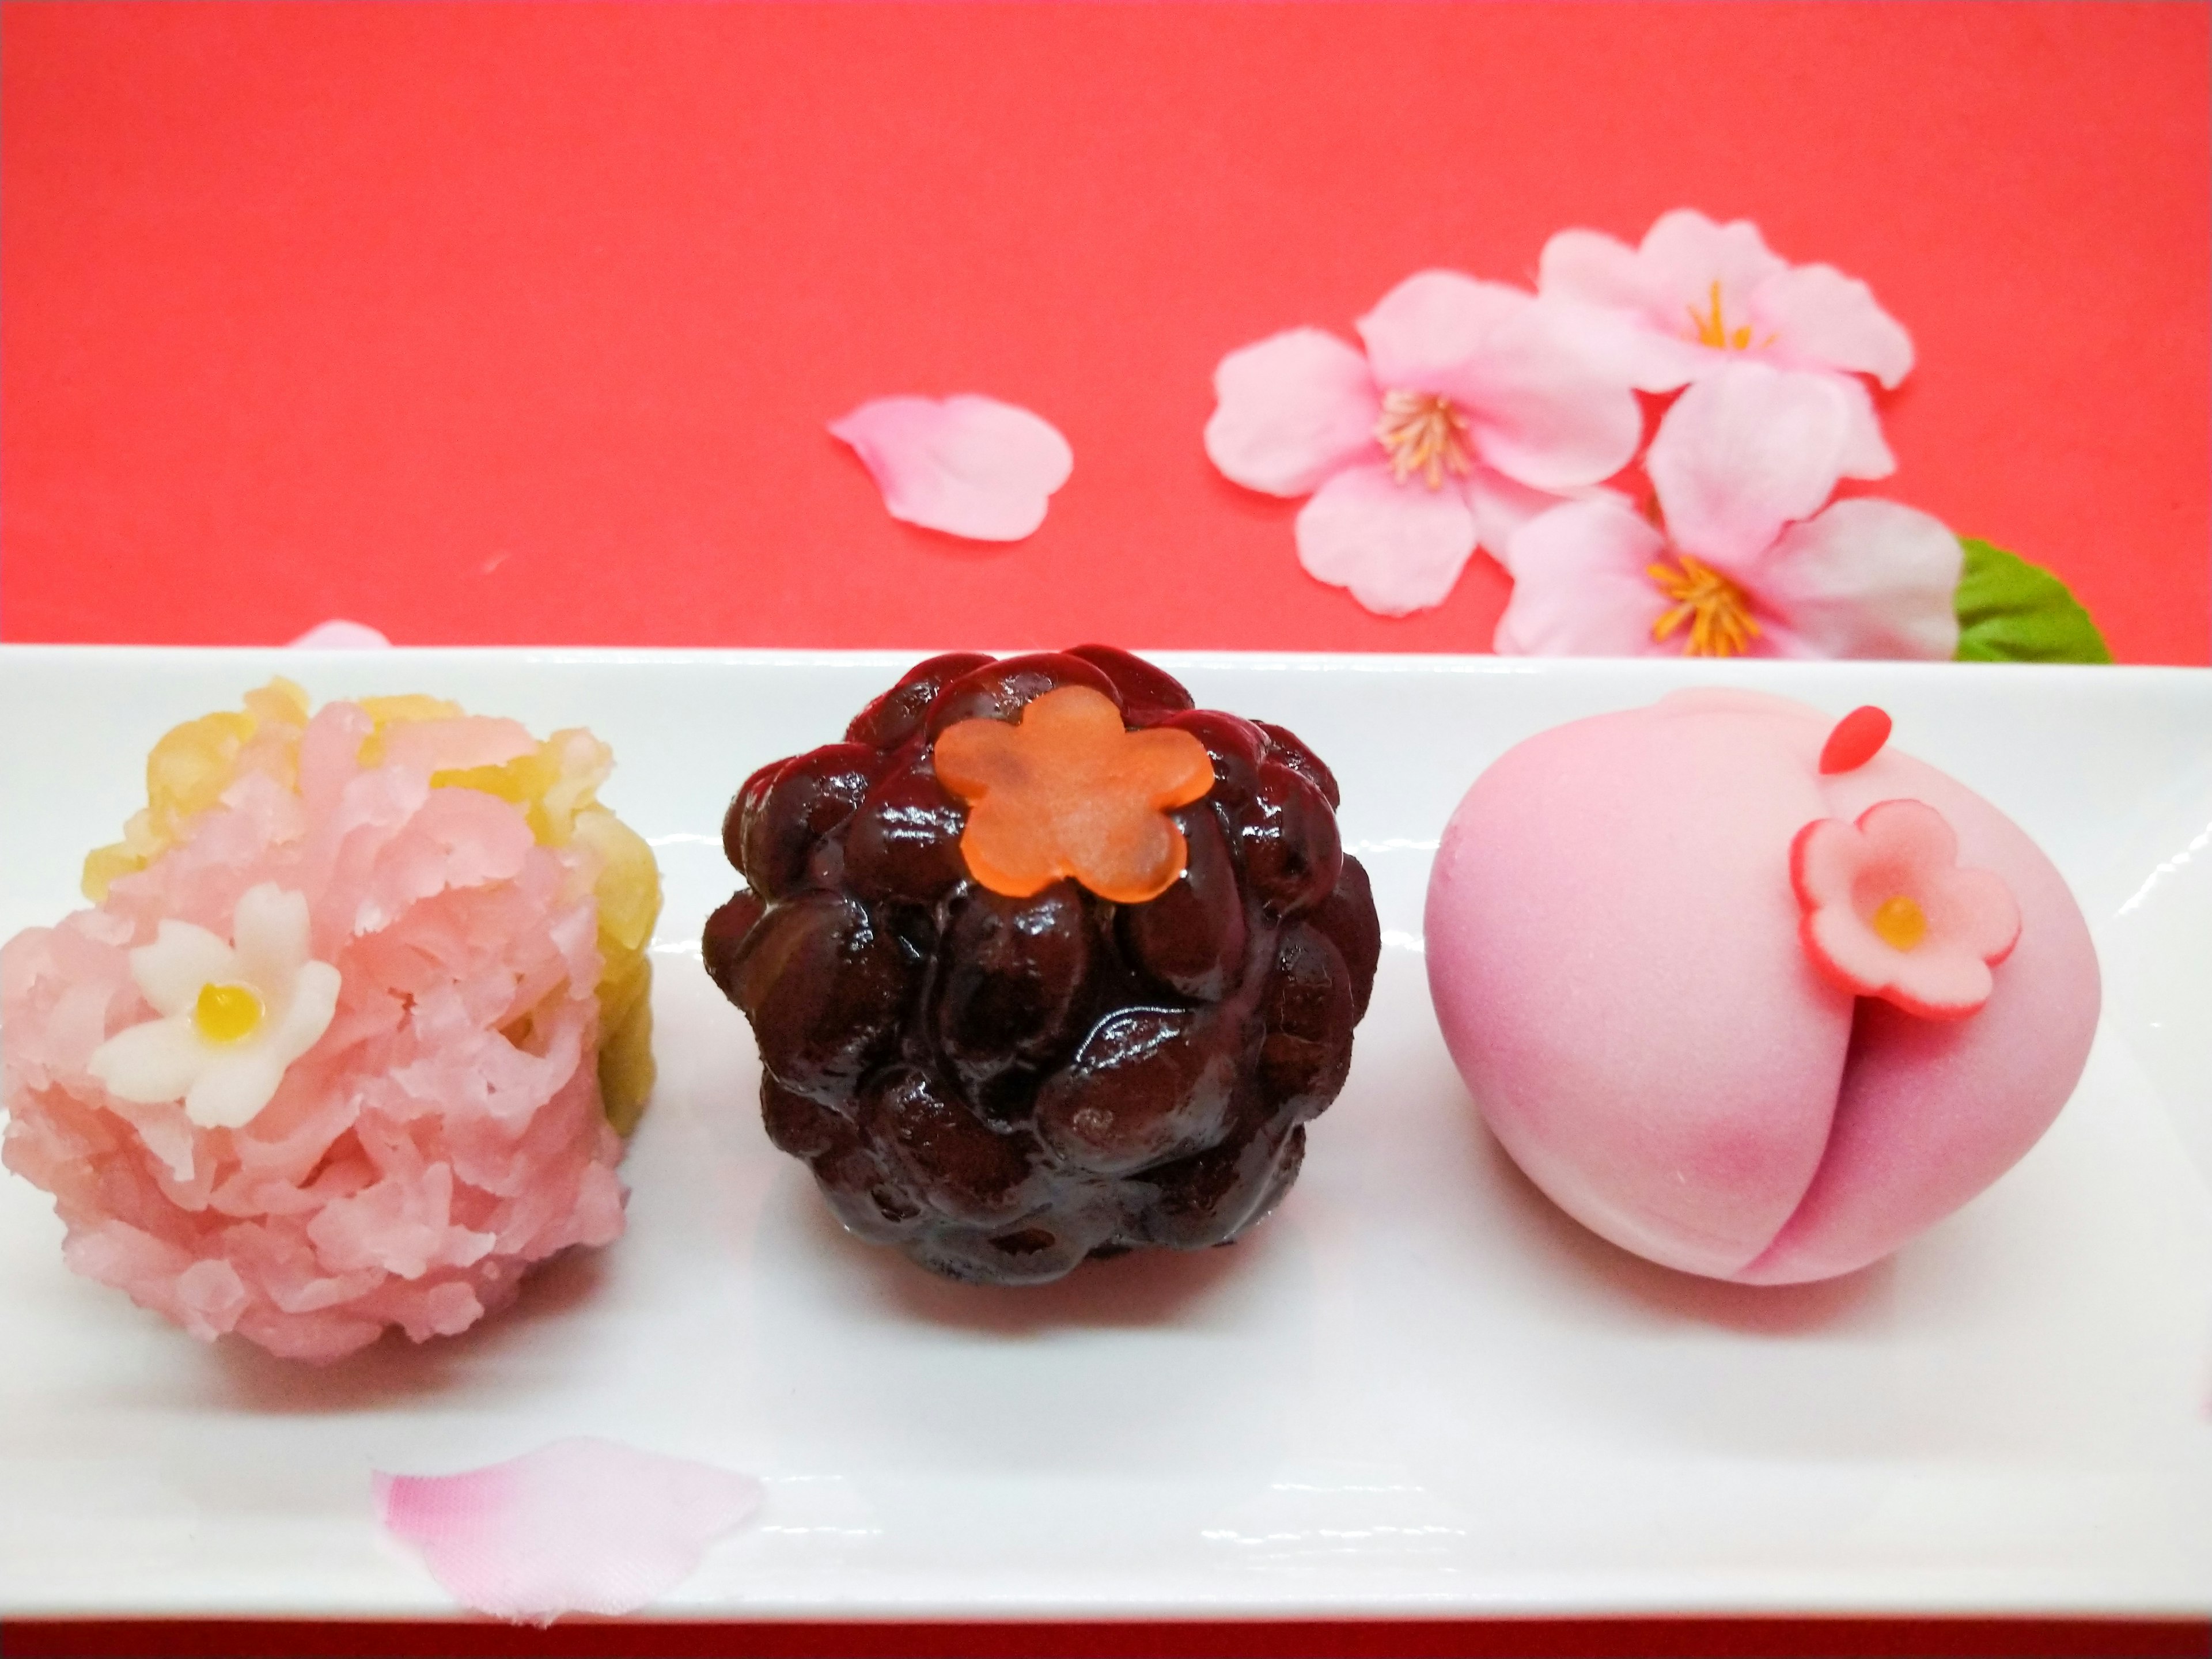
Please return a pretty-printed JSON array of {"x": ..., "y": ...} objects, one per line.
[
  {"x": 1423, "y": 433},
  {"x": 1899, "y": 923},
  {"x": 1710, "y": 328},
  {"x": 227, "y": 1013},
  {"x": 1718, "y": 610}
]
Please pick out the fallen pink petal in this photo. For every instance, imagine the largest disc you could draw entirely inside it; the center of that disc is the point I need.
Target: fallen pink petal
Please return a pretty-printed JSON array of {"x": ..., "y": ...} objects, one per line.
[
  {"x": 339, "y": 635},
  {"x": 969, "y": 466},
  {"x": 579, "y": 1526}
]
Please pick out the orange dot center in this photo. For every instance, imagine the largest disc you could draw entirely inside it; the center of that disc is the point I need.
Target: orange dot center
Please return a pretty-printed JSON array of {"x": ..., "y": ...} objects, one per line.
[
  {"x": 227, "y": 1013},
  {"x": 1899, "y": 922}
]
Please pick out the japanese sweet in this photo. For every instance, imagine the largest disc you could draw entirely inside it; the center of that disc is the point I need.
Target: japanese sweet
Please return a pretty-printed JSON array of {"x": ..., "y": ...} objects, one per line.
[
  {"x": 1044, "y": 962},
  {"x": 354, "y": 1030},
  {"x": 1748, "y": 992}
]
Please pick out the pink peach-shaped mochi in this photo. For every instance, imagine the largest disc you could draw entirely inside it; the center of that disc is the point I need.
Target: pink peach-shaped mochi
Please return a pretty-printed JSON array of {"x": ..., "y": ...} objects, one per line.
[{"x": 1618, "y": 960}]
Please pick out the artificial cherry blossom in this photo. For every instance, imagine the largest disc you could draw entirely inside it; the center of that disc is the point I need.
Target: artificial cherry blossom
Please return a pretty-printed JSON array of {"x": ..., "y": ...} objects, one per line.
[
  {"x": 1744, "y": 561},
  {"x": 1696, "y": 296},
  {"x": 1472, "y": 408}
]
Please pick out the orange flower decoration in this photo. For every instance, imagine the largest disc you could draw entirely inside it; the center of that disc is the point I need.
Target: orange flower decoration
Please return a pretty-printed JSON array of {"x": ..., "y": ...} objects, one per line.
[{"x": 1070, "y": 792}]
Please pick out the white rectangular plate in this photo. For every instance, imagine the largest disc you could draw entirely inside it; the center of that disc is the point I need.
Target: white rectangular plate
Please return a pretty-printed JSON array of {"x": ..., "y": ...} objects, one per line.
[{"x": 1417, "y": 1390}]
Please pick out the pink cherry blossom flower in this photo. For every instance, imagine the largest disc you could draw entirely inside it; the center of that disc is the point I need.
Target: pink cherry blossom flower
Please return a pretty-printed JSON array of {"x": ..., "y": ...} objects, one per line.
[
  {"x": 578, "y": 1526},
  {"x": 1889, "y": 913},
  {"x": 1744, "y": 562},
  {"x": 968, "y": 466},
  {"x": 1471, "y": 409},
  {"x": 1696, "y": 296}
]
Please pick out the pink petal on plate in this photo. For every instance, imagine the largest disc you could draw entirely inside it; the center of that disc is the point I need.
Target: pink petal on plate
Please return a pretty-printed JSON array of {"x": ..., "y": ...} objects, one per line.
[
  {"x": 339, "y": 635},
  {"x": 578, "y": 1526},
  {"x": 969, "y": 466}
]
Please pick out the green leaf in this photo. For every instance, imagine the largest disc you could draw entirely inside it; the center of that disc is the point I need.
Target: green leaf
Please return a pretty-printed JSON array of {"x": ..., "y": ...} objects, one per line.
[{"x": 2010, "y": 611}]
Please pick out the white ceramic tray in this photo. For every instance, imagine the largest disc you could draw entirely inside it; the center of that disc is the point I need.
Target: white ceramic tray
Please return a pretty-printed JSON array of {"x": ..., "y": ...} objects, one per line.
[{"x": 1418, "y": 1391}]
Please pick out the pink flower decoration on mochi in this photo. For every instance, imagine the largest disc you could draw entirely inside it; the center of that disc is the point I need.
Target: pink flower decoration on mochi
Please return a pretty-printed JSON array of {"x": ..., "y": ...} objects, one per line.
[
  {"x": 968, "y": 466},
  {"x": 1745, "y": 561},
  {"x": 1696, "y": 295},
  {"x": 1889, "y": 913},
  {"x": 1471, "y": 410},
  {"x": 579, "y": 1526}
]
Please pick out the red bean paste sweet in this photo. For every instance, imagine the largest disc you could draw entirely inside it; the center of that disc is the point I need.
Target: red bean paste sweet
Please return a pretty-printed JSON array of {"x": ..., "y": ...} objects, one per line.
[{"x": 1002, "y": 1082}]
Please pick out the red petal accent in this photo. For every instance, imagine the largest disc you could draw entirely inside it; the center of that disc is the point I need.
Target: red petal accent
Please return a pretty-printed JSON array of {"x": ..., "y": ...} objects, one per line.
[{"x": 1857, "y": 738}]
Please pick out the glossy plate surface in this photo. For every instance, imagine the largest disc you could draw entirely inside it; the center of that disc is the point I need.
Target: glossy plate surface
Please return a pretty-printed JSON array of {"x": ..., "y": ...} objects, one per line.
[{"x": 1418, "y": 1389}]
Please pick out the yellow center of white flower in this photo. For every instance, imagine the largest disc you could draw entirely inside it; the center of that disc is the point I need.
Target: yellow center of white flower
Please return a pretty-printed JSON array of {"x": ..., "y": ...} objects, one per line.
[
  {"x": 1899, "y": 923},
  {"x": 1709, "y": 328},
  {"x": 1423, "y": 433},
  {"x": 1718, "y": 610},
  {"x": 227, "y": 1013}
]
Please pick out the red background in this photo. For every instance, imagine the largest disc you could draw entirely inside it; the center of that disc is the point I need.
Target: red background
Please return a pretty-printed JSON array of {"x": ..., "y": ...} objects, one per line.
[{"x": 520, "y": 323}]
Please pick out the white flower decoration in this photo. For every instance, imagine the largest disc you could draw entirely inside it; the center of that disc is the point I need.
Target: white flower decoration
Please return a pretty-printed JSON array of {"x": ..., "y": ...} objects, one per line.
[{"x": 234, "y": 1016}]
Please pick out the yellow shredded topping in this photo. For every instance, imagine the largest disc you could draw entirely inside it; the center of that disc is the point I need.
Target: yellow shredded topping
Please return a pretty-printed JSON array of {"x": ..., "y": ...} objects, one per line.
[
  {"x": 400, "y": 711},
  {"x": 555, "y": 785},
  {"x": 188, "y": 770}
]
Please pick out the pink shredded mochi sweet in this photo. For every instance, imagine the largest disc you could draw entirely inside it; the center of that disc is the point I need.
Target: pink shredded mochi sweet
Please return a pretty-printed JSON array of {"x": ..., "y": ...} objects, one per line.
[{"x": 443, "y": 1134}]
